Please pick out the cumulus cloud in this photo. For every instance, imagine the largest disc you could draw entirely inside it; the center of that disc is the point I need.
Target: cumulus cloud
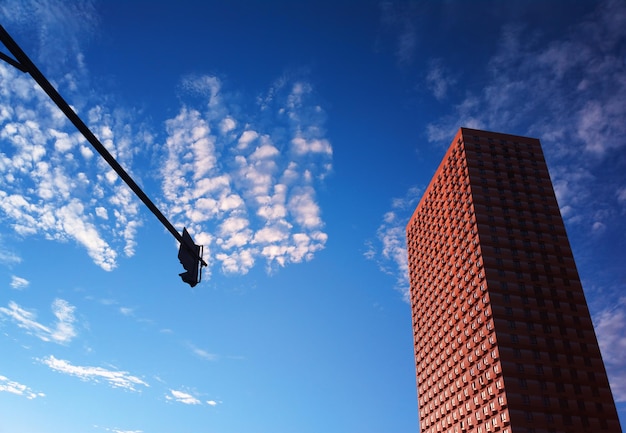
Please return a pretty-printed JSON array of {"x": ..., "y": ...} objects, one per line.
[
  {"x": 220, "y": 165},
  {"x": 13, "y": 387},
  {"x": 50, "y": 184},
  {"x": 114, "y": 378},
  {"x": 246, "y": 188},
  {"x": 62, "y": 332}
]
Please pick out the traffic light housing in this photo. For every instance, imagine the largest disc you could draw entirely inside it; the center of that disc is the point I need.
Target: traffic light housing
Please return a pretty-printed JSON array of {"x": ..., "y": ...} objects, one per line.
[{"x": 190, "y": 256}]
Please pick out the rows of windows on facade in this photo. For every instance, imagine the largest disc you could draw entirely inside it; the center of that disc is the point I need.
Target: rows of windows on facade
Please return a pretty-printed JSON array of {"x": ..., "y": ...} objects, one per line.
[{"x": 502, "y": 334}]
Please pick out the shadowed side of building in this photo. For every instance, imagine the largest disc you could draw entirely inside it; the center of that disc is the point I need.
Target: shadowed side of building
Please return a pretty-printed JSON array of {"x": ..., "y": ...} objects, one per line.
[{"x": 503, "y": 336}]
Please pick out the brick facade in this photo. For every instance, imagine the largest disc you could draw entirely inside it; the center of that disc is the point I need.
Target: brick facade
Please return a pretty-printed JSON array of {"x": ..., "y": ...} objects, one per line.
[{"x": 503, "y": 336}]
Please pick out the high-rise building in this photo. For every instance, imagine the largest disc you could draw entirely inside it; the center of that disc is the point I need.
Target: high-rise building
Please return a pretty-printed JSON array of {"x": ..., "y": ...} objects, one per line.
[{"x": 503, "y": 336}]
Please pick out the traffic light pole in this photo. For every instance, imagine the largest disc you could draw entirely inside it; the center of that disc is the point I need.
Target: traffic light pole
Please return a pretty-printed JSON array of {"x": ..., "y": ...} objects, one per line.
[{"x": 24, "y": 64}]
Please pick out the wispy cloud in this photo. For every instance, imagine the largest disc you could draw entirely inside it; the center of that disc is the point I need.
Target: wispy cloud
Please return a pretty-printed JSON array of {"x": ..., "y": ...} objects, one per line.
[
  {"x": 247, "y": 190},
  {"x": 18, "y": 283},
  {"x": 389, "y": 251},
  {"x": 201, "y": 353},
  {"x": 52, "y": 184},
  {"x": 439, "y": 79},
  {"x": 610, "y": 324},
  {"x": 17, "y": 388},
  {"x": 60, "y": 27},
  {"x": 400, "y": 19},
  {"x": 117, "y": 430},
  {"x": 62, "y": 332},
  {"x": 571, "y": 93},
  {"x": 114, "y": 378},
  {"x": 8, "y": 257},
  {"x": 188, "y": 398},
  {"x": 126, "y": 311},
  {"x": 182, "y": 397}
]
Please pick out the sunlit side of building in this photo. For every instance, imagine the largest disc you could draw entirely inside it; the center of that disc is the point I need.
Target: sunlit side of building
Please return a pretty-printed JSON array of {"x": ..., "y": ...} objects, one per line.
[{"x": 503, "y": 337}]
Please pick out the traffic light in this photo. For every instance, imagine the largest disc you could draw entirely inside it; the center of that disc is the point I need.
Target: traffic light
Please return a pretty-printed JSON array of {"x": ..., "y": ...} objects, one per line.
[{"x": 190, "y": 256}]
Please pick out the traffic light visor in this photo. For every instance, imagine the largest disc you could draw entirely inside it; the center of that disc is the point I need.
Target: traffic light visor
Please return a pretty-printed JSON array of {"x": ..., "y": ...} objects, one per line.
[{"x": 190, "y": 256}]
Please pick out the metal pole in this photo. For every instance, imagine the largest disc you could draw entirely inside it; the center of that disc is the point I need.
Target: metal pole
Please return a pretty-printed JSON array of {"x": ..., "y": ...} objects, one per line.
[{"x": 26, "y": 65}]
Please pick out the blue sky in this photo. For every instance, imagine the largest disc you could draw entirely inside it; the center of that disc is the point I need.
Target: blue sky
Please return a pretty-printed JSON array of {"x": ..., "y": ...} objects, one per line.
[{"x": 293, "y": 140}]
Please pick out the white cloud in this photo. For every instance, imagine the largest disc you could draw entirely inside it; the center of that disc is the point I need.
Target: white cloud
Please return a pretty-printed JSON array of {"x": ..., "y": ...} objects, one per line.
[
  {"x": 245, "y": 192},
  {"x": 102, "y": 212},
  {"x": 8, "y": 257},
  {"x": 303, "y": 207},
  {"x": 271, "y": 235},
  {"x": 187, "y": 398},
  {"x": 302, "y": 146},
  {"x": 71, "y": 217},
  {"x": 182, "y": 397},
  {"x": 115, "y": 378},
  {"x": 390, "y": 249},
  {"x": 246, "y": 138},
  {"x": 228, "y": 124},
  {"x": 239, "y": 261},
  {"x": 19, "y": 283},
  {"x": 610, "y": 324},
  {"x": 621, "y": 195},
  {"x": 17, "y": 388},
  {"x": 570, "y": 92},
  {"x": 438, "y": 79},
  {"x": 63, "y": 331},
  {"x": 219, "y": 164},
  {"x": 60, "y": 27},
  {"x": 50, "y": 184},
  {"x": 126, "y": 311},
  {"x": 206, "y": 86},
  {"x": 400, "y": 19},
  {"x": 201, "y": 353},
  {"x": 117, "y": 430}
]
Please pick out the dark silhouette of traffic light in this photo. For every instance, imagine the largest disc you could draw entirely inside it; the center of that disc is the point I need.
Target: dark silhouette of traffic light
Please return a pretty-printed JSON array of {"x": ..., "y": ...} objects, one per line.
[{"x": 190, "y": 256}]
